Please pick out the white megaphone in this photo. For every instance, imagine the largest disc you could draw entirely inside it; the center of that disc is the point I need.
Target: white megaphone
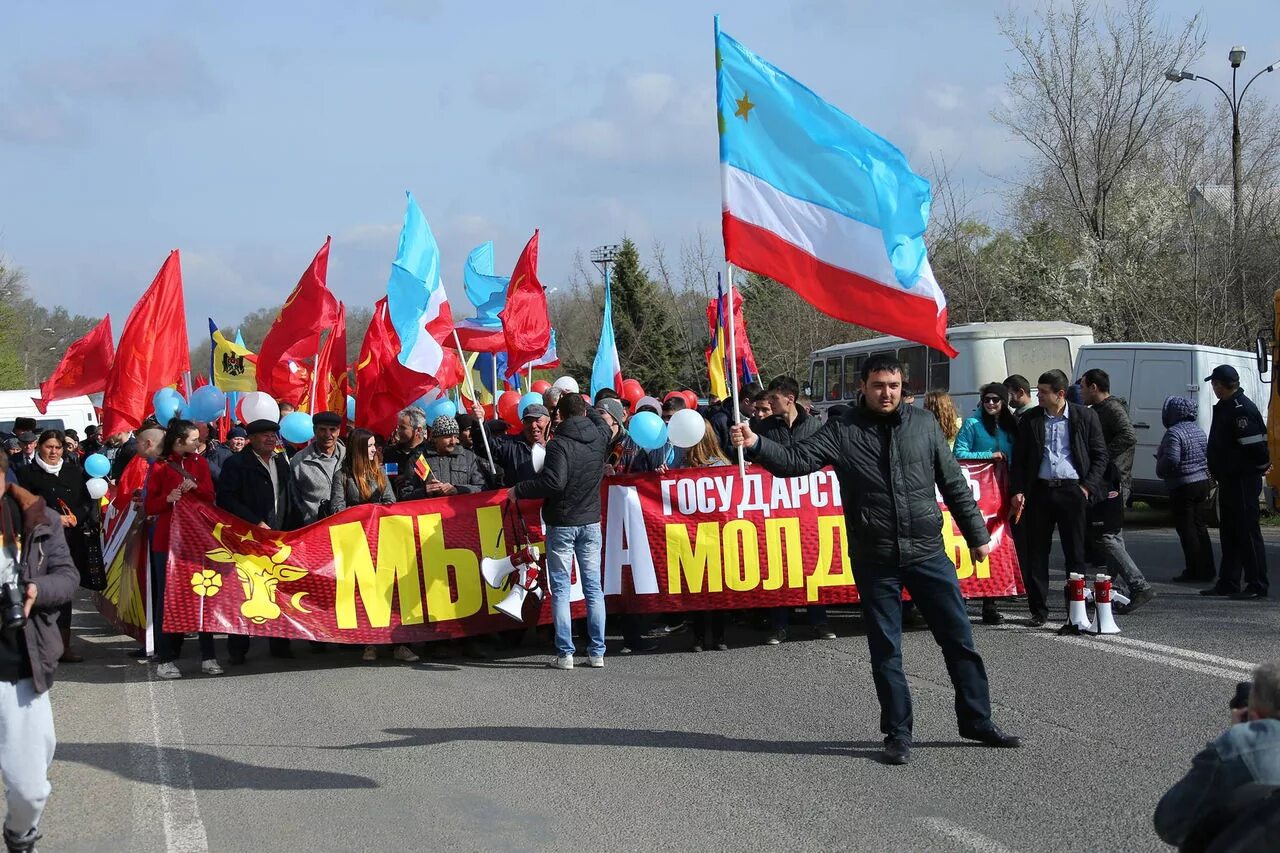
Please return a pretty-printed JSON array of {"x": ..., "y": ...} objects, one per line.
[
  {"x": 1077, "y": 610},
  {"x": 538, "y": 455},
  {"x": 496, "y": 570},
  {"x": 513, "y": 604},
  {"x": 1102, "y": 596}
]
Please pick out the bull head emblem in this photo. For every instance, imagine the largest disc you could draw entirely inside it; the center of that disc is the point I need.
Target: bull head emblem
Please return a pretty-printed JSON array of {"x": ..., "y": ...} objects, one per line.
[{"x": 260, "y": 573}]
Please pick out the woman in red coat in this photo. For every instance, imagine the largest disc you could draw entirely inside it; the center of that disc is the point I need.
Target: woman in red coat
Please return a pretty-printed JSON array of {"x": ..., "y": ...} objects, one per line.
[{"x": 180, "y": 473}]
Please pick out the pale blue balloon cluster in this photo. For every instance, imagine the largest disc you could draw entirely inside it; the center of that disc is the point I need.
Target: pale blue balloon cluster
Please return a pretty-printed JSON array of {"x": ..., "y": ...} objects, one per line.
[{"x": 647, "y": 430}]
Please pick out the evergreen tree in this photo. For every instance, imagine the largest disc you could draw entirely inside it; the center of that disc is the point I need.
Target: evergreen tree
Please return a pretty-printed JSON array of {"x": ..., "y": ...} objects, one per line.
[{"x": 646, "y": 332}]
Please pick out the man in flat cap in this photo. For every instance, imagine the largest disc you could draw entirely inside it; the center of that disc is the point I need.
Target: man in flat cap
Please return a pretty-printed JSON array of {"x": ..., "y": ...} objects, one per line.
[
  {"x": 314, "y": 468},
  {"x": 255, "y": 486}
]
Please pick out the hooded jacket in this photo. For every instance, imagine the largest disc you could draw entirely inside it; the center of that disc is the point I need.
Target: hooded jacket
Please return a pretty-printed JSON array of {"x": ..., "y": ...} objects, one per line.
[
  {"x": 45, "y": 561},
  {"x": 1181, "y": 459},
  {"x": 569, "y": 482}
]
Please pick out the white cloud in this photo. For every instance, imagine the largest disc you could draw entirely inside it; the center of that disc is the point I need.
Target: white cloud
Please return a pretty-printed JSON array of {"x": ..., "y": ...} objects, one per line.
[{"x": 946, "y": 96}]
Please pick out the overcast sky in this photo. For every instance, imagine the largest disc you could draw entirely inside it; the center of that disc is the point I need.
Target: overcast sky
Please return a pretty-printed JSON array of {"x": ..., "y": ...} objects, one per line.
[{"x": 243, "y": 133}]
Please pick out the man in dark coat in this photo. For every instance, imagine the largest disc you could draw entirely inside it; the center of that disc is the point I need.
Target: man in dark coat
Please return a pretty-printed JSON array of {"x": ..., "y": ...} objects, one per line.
[
  {"x": 513, "y": 454},
  {"x": 254, "y": 486},
  {"x": 1059, "y": 465},
  {"x": 33, "y": 558},
  {"x": 569, "y": 485},
  {"x": 890, "y": 460}
]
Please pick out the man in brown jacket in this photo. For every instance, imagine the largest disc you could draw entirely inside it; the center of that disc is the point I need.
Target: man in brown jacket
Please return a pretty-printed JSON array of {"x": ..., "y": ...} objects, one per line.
[{"x": 33, "y": 558}]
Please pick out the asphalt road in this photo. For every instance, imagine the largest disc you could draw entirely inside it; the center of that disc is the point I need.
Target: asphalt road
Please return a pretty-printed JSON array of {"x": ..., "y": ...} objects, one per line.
[{"x": 766, "y": 748}]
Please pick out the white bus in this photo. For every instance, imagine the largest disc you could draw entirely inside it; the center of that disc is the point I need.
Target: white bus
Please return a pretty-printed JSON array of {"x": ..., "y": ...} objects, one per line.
[{"x": 987, "y": 352}]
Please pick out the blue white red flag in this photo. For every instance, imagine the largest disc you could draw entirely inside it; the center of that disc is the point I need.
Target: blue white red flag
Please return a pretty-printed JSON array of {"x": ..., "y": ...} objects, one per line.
[
  {"x": 417, "y": 304},
  {"x": 488, "y": 293}
]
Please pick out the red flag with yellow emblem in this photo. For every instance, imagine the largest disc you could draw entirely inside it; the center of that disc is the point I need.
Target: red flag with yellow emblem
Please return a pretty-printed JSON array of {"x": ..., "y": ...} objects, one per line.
[
  {"x": 288, "y": 351},
  {"x": 83, "y": 369},
  {"x": 330, "y": 386},
  {"x": 384, "y": 386}
]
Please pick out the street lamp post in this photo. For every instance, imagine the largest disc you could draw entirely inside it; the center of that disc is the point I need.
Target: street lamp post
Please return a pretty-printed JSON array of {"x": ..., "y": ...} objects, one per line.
[{"x": 1236, "y": 57}]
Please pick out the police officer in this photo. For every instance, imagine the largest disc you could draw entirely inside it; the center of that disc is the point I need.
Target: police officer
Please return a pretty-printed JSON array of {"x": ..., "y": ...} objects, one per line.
[{"x": 1238, "y": 458}]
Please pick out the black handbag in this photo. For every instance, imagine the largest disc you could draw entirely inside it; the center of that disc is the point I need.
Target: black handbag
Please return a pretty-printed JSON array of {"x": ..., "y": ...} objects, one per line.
[{"x": 93, "y": 576}]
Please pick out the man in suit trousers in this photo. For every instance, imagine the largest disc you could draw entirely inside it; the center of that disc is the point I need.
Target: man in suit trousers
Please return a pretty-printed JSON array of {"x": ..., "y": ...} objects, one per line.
[
  {"x": 1059, "y": 458},
  {"x": 254, "y": 485}
]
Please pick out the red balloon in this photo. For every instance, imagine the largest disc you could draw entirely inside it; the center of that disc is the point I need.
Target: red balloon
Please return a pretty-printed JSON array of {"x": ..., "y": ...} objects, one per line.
[
  {"x": 509, "y": 407},
  {"x": 631, "y": 390},
  {"x": 540, "y": 386},
  {"x": 691, "y": 399}
]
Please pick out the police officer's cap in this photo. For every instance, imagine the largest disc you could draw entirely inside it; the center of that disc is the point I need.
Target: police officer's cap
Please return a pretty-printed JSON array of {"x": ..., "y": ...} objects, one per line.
[{"x": 1224, "y": 373}]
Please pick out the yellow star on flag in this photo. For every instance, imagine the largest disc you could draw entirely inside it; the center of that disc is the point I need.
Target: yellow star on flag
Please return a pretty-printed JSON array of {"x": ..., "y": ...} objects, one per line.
[{"x": 744, "y": 106}]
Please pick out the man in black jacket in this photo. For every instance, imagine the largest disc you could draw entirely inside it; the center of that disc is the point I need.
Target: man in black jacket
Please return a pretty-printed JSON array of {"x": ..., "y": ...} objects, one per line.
[
  {"x": 254, "y": 486},
  {"x": 569, "y": 485},
  {"x": 889, "y": 459},
  {"x": 34, "y": 558},
  {"x": 1238, "y": 460},
  {"x": 1059, "y": 459},
  {"x": 513, "y": 454}
]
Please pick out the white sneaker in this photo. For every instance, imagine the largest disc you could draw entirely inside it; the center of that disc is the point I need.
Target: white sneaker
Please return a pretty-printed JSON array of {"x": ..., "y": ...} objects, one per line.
[
  {"x": 562, "y": 662},
  {"x": 168, "y": 670},
  {"x": 210, "y": 667},
  {"x": 405, "y": 654},
  {"x": 370, "y": 654},
  {"x": 595, "y": 662}
]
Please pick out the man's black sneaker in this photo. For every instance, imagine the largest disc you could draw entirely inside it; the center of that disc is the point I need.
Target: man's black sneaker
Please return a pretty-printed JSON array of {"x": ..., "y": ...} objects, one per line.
[
  {"x": 1038, "y": 619},
  {"x": 992, "y": 736},
  {"x": 643, "y": 648},
  {"x": 1249, "y": 595},
  {"x": 775, "y": 638},
  {"x": 896, "y": 751},
  {"x": 990, "y": 615},
  {"x": 1218, "y": 591},
  {"x": 823, "y": 632},
  {"x": 1136, "y": 600}
]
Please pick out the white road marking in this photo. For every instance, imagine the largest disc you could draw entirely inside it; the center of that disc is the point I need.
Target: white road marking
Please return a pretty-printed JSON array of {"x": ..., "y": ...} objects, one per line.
[
  {"x": 1190, "y": 660},
  {"x": 159, "y": 723},
  {"x": 963, "y": 836}
]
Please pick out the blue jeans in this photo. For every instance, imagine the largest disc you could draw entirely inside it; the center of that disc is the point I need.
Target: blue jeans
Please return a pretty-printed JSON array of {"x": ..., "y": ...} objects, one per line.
[
  {"x": 936, "y": 593},
  {"x": 563, "y": 544}
]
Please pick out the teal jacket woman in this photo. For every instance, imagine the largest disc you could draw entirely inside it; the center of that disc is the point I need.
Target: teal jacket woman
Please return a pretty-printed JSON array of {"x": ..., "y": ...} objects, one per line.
[{"x": 991, "y": 427}]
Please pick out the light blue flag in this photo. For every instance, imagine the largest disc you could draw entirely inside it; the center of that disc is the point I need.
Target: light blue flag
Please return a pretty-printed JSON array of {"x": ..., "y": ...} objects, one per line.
[
  {"x": 416, "y": 299},
  {"x": 606, "y": 370},
  {"x": 487, "y": 292}
]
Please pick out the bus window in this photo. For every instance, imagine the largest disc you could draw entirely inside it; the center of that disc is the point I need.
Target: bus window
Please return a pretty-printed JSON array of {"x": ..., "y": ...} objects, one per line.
[
  {"x": 939, "y": 371},
  {"x": 852, "y": 374},
  {"x": 818, "y": 380},
  {"x": 833, "y": 378},
  {"x": 914, "y": 368}
]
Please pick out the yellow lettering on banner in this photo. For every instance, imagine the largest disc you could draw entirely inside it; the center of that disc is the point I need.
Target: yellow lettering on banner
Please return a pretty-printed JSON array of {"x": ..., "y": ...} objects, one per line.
[
  {"x": 782, "y": 545},
  {"x": 828, "y": 527},
  {"x": 436, "y": 561},
  {"x": 741, "y": 556},
  {"x": 493, "y": 543},
  {"x": 698, "y": 566},
  {"x": 958, "y": 550},
  {"x": 397, "y": 571}
]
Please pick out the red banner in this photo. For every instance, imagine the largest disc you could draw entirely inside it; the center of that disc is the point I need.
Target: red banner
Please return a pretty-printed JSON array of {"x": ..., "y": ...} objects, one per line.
[{"x": 694, "y": 539}]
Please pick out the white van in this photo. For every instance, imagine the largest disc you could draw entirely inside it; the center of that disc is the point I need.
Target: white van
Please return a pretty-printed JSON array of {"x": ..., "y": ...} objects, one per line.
[
  {"x": 1145, "y": 374},
  {"x": 73, "y": 413},
  {"x": 986, "y": 352}
]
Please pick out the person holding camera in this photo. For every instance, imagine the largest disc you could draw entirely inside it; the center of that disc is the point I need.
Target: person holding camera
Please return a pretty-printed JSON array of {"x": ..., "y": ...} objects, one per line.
[
  {"x": 37, "y": 578},
  {"x": 1247, "y": 752}
]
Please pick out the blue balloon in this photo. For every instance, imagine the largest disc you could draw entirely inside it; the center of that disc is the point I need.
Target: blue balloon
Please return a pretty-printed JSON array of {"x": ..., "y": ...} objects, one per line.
[
  {"x": 351, "y": 408},
  {"x": 529, "y": 399},
  {"x": 97, "y": 465},
  {"x": 444, "y": 407},
  {"x": 207, "y": 403},
  {"x": 647, "y": 430},
  {"x": 167, "y": 403},
  {"x": 297, "y": 428}
]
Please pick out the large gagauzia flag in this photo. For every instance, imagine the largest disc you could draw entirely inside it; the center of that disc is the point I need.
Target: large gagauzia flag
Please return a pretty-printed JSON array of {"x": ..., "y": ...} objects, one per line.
[
  {"x": 83, "y": 368},
  {"x": 820, "y": 203},
  {"x": 288, "y": 351},
  {"x": 417, "y": 304},
  {"x": 525, "y": 323},
  {"x": 488, "y": 293},
  {"x": 231, "y": 366},
  {"x": 153, "y": 352}
]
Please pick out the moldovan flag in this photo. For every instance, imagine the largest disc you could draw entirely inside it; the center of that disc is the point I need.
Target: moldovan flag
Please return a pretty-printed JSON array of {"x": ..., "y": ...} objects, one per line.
[
  {"x": 525, "y": 323},
  {"x": 820, "y": 203},
  {"x": 231, "y": 366},
  {"x": 83, "y": 369},
  {"x": 384, "y": 386},
  {"x": 294, "y": 338},
  {"x": 153, "y": 351},
  {"x": 330, "y": 394}
]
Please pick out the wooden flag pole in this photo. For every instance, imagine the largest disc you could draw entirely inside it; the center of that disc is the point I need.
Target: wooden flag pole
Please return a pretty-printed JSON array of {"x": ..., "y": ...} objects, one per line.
[
  {"x": 471, "y": 389},
  {"x": 733, "y": 370}
]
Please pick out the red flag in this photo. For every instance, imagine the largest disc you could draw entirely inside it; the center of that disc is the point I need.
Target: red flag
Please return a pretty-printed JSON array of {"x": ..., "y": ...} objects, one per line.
[
  {"x": 152, "y": 354},
  {"x": 295, "y": 334},
  {"x": 83, "y": 369},
  {"x": 384, "y": 386},
  {"x": 747, "y": 370},
  {"x": 525, "y": 323},
  {"x": 330, "y": 386}
]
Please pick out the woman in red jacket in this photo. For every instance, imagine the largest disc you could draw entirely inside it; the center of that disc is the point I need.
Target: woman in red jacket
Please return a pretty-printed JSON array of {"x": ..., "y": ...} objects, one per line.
[{"x": 180, "y": 473}]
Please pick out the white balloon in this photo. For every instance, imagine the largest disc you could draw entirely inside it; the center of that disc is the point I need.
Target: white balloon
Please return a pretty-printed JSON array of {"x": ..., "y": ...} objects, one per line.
[
  {"x": 258, "y": 406},
  {"x": 686, "y": 428},
  {"x": 567, "y": 384},
  {"x": 539, "y": 454},
  {"x": 97, "y": 487}
]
